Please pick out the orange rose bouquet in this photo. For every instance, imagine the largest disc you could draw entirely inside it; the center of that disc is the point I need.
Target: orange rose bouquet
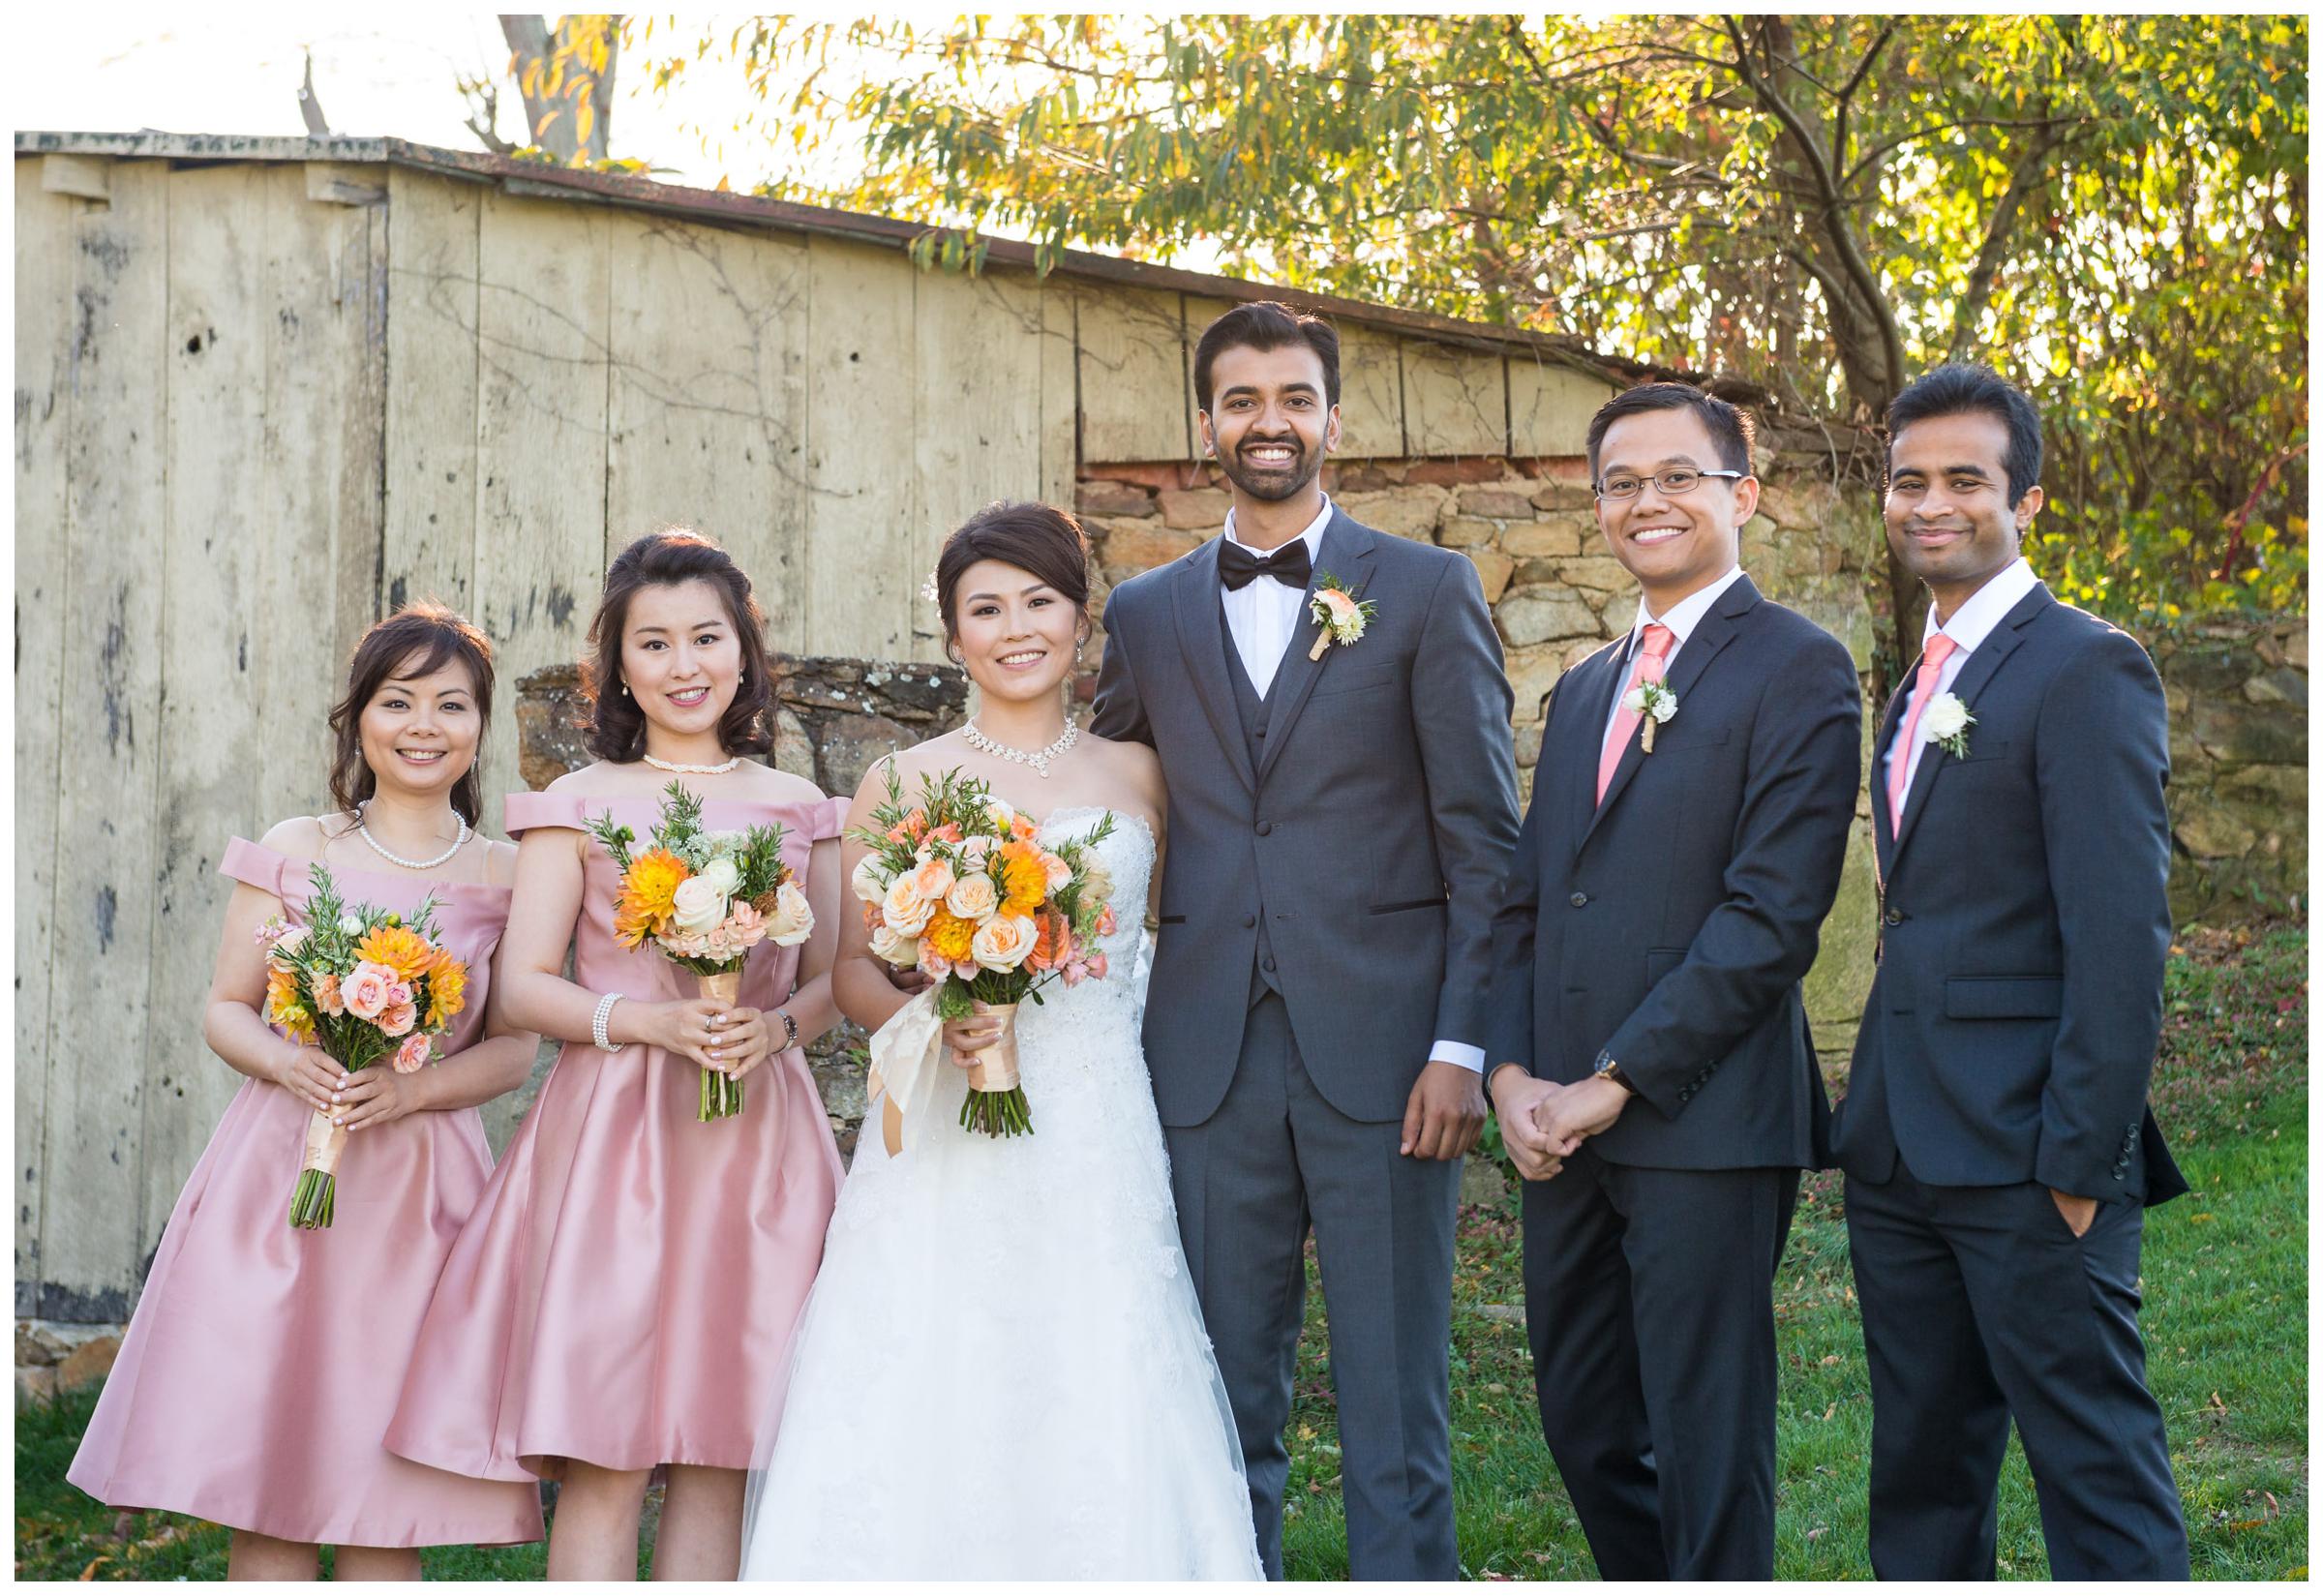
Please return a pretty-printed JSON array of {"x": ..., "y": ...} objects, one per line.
[
  {"x": 960, "y": 886},
  {"x": 705, "y": 899},
  {"x": 367, "y": 986}
]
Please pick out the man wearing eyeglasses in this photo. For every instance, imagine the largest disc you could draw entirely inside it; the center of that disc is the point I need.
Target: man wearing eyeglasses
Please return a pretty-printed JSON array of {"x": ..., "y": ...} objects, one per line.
[{"x": 1651, "y": 1067}]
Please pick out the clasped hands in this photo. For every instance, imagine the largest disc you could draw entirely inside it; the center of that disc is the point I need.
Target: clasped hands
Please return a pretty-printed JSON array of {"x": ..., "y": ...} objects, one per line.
[{"x": 1542, "y": 1123}]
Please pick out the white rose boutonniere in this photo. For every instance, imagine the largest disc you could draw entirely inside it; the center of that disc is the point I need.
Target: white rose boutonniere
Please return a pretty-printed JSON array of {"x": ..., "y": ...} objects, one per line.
[
  {"x": 1339, "y": 614},
  {"x": 1944, "y": 722},
  {"x": 1652, "y": 703}
]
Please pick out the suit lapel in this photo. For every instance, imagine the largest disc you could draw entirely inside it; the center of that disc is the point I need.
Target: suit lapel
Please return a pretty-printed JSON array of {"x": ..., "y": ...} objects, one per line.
[
  {"x": 1347, "y": 554},
  {"x": 1202, "y": 636},
  {"x": 1716, "y": 630},
  {"x": 1882, "y": 831},
  {"x": 1981, "y": 664},
  {"x": 1592, "y": 701}
]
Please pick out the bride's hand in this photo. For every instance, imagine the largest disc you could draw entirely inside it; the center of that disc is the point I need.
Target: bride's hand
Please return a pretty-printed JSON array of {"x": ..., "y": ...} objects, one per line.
[{"x": 964, "y": 1039}]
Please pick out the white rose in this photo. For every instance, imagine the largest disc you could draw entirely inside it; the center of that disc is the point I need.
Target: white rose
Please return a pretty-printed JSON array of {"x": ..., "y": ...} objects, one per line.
[
  {"x": 284, "y": 946},
  {"x": 351, "y": 924},
  {"x": 1946, "y": 718},
  {"x": 869, "y": 883},
  {"x": 1003, "y": 942},
  {"x": 792, "y": 919},
  {"x": 973, "y": 897},
  {"x": 899, "y": 951},
  {"x": 904, "y": 910},
  {"x": 1096, "y": 881},
  {"x": 1001, "y": 814},
  {"x": 698, "y": 907},
  {"x": 724, "y": 873}
]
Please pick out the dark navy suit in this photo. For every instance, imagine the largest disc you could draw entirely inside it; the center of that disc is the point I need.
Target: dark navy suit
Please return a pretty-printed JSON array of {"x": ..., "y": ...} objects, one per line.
[
  {"x": 1670, "y": 926},
  {"x": 2005, "y": 1049}
]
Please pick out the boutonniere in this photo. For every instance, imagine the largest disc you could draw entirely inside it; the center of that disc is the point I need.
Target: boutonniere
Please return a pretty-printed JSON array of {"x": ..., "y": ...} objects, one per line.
[
  {"x": 1944, "y": 722},
  {"x": 1339, "y": 613},
  {"x": 1652, "y": 703}
]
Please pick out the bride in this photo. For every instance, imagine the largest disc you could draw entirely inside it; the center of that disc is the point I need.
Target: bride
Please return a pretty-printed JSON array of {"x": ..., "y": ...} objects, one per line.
[{"x": 1000, "y": 1371}]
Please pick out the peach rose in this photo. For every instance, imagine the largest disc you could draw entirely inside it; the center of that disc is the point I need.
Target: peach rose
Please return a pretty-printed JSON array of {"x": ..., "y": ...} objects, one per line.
[
  {"x": 932, "y": 878},
  {"x": 1340, "y": 605},
  {"x": 698, "y": 907},
  {"x": 1097, "y": 965},
  {"x": 368, "y": 989},
  {"x": 1060, "y": 873},
  {"x": 283, "y": 945},
  {"x": 398, "y": 1018},
  {"x": 975, "y": 851},
  {"x": 1106, "y": 925},
  {"x": 973, "y": 897},
  {"x": 411, "y": 1055},
  {"x": 1003, "y": 942},
  {"x": 905, "y": 911},
  {"x": 793, "y": 921},
  {"x": 326, "y": 994},
  {"x": 932, "y": 964}
]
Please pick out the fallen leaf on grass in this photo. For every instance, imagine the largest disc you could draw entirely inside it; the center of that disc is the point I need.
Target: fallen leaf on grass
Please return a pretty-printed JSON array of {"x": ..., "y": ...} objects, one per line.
[{"x": 90, "y": 1573}]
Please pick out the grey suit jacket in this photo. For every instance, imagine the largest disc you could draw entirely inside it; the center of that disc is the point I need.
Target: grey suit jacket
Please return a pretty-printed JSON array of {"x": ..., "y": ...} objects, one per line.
[{"x": 1373, "y": 833}]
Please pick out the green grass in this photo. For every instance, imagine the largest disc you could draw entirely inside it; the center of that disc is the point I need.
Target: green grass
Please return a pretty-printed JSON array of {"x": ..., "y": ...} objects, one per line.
[{"x": 2225, "y": 1321}]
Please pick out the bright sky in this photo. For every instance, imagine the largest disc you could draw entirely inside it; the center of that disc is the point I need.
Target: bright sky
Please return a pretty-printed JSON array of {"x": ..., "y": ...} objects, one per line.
[{"x": 378, "y": 70}]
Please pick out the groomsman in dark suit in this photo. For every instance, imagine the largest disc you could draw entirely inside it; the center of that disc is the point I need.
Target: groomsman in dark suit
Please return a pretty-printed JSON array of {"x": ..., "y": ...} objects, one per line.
[
  {"x": 1696, "y": 784},
  {"x": 2000, "y": 1155}
]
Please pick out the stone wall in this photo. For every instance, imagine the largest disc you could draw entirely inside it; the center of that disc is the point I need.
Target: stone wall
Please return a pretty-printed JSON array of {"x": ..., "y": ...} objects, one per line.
[{"x": 2238, "y": 768}]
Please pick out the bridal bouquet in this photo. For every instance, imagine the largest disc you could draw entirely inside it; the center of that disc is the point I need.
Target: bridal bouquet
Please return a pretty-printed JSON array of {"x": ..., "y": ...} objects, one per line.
[
  {"x": 365, "y": 985},
  {"x": 958, "y": 886},
  {"x": 705, "y": 899}
]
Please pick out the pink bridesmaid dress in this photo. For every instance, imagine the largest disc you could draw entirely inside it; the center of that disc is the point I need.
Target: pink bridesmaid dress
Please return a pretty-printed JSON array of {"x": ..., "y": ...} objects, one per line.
[
  {"x": 263, "y": 1362},
  {"x": 626, "y": 1289}
]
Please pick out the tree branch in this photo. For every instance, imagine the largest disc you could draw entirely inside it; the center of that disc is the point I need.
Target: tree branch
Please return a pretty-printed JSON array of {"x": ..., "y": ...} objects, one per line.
[{"x": 2030, "y": 173}]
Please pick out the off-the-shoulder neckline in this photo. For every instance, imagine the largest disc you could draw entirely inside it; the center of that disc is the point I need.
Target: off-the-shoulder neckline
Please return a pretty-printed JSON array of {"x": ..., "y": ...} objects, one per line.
[{"x": 381, "y": 875}]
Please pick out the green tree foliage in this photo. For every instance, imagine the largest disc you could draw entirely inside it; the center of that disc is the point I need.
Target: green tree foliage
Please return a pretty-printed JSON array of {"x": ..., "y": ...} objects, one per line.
[{"x": 2110, "y": 209}]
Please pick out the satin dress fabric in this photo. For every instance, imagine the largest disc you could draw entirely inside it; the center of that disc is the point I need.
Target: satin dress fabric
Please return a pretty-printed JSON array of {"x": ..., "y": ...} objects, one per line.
[
  {"x": 263, "y": 1362},
  {"x": 626, "y": 1291}
]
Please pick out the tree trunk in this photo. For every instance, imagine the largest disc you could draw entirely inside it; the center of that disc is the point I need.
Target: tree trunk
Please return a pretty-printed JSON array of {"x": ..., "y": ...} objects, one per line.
[{"x": 568, "y": 95}]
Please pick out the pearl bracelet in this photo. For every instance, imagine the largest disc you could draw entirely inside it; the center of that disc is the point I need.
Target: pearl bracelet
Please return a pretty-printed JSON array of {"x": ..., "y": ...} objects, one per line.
[{"x": 597, "y": 1027}]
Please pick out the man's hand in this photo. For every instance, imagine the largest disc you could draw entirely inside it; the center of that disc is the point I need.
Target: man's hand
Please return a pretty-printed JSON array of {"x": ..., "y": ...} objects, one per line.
[
  {"x": 2078, "y": 1212},
  {"x": 1581, "y": 1110},
  {"x": 1516, "y": 1098},
  {"x": 1446, "y": 1112}
]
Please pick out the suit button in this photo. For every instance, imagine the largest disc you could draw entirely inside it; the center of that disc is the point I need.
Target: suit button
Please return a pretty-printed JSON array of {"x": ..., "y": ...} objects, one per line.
[
  {"x": 1895, "y": 917},
  {"x": 1267, "y": 964},
  {"x": 2120, "y": 1175},
  {"x": 1579, "y": 900},
  {"x": 1265, "y": 826},
  {"x": 1249, "y": 920}
]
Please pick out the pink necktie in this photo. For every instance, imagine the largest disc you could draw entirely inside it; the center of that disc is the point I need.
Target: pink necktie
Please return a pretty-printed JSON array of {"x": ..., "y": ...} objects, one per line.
[
  {"x": 1658, "y": 641},
  {"x": 1923, "y": 688}
]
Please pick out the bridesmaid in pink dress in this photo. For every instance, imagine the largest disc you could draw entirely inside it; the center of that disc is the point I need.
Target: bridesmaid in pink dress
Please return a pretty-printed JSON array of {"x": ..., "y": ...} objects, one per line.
[
  {"x": 623, "y": 1298},
  {"x": 263, "y": 1362}
]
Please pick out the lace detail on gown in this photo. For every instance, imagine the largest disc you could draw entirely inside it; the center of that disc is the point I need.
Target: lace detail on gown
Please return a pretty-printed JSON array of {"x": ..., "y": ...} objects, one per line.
[{"x": 1002, "y": 1372}]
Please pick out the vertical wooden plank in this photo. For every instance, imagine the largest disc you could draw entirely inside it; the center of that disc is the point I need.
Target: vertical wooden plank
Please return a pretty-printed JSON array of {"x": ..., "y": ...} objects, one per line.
[
  {"x": 1135, "y": 396},
  {"x": 1370, "y": 393},
  {"x": 430, "y": 525},
  {"x": 865, "y": 521},
  {"x": 109, "y": 757},
  {"x": 541, "y": 308},
  {"x": 1060, "y": 393},
  {"x": 978, "y": 344},
  {"x": 1455, "y": 401},
  {"x": 1549, "y": 407},
  {"x": 244, "y": 577},
  {"x": 1196, "y": 312},
  {"x": 43, "y": 322},
  {"x": 708, "y": 403}
]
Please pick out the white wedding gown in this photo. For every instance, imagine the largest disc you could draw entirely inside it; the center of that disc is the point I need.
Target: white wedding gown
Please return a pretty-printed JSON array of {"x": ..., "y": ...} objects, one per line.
[{"x": 1002, "y": 1372}]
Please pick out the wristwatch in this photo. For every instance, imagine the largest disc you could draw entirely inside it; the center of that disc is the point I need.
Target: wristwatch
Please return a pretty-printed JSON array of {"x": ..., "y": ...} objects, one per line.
[{"x": 1608, "y": 1070}]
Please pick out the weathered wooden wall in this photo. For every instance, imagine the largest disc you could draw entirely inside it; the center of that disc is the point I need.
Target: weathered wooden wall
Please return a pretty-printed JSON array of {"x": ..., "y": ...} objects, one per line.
[{"x": 261, "y": 401}]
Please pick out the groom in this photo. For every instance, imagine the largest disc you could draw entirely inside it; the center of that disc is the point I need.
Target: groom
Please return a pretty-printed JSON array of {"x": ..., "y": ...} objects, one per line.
[{"x": 1341, "y": 809}]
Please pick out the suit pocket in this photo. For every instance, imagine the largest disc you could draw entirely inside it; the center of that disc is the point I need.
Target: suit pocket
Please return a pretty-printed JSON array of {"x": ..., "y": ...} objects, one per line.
[
  {"x": 1660, "y": 961},
  {"x": 1436, "y": 902},
  {"x": 1984, "y": 752},
  {"x": 1173, "y": 919},
  {"x": 2004, "y": 997},
  {"x": 1354, "y": 679},
  {"x": 1693, "y": 739}
]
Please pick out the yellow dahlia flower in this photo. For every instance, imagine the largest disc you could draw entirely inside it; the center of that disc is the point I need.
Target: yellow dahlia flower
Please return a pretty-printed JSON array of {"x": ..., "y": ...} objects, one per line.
[{"x": 400, "y": 949}]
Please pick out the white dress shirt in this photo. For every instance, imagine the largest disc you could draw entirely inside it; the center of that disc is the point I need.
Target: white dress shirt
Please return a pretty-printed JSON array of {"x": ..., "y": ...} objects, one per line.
[
  {"x": 1683, "y": 617},
  {"x": 1260, "y": 617},
  {"x": 1971, "y": 624}
]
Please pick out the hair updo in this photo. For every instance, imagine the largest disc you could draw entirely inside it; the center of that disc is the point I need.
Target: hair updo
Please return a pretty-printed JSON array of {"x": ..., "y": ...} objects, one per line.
[
  {"x": 417, "y": 641},
  {"x": 1035, "y": 537},
  {"x": 669, "y": 558}
]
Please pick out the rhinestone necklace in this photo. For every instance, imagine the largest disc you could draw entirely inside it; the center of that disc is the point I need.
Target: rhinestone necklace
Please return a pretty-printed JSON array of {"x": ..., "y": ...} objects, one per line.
[
  {"x": 677, "y": 770},
  {"x": 363, "y": 827},
  {"x": 1038, "y": 760}
]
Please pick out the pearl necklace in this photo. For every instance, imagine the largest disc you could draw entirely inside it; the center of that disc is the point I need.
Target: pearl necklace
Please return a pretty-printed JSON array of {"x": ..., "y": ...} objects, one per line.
[
  {"x": 362, "y": 825},
  {"x": 1038, "y": 760},
  {"x": 677, "y": 770}
]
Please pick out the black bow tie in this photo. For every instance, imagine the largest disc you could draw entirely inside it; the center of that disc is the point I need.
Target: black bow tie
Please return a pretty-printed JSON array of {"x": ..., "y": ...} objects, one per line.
[{"x": 1238, "y": 567}]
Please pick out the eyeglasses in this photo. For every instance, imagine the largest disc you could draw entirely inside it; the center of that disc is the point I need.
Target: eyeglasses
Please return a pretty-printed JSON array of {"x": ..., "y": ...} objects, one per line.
[{"x": 1678, "y": 479}]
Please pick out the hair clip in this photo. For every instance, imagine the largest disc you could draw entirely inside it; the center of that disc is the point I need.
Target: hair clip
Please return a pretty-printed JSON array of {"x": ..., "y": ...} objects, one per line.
[{"x": 929, "y": 592}]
